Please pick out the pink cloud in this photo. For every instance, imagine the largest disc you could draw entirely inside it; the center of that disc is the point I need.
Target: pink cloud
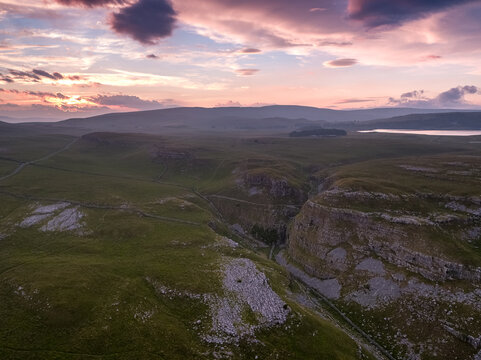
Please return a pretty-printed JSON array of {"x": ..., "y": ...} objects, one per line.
[
  {"x": 247, "y": 72},
  {"x": 340, "y": 63}
]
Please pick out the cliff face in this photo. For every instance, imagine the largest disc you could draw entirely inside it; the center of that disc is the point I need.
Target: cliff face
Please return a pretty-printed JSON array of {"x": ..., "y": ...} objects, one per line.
[
  {"x": 274, "y": 187},
  {"x": 404, "y": 276},
  {"x": 320, "y": 229},
  {"x": 262, "y": 203},
  {"x": 249, "y": 216}
]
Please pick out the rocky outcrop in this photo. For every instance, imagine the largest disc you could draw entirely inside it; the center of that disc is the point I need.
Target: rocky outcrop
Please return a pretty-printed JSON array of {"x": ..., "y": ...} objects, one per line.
[
  {"x": 278, "y": 188},
  {"x": 319, "y": 229},
  {"x": 330, "y": 288},
  {"x": 56, "y": 217},
  {"x": 245, "y": 290},
  {"x": 250, "y": 216},
  {"x": 431, "y": 267},
  {"x": 169, "y": 154},
  {"x": 393, "y": 269},
  {"x": 475, "y": 342}
]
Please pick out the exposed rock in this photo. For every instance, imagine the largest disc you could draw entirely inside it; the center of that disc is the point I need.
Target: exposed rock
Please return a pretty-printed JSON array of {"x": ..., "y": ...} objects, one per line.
[
  {"x": 473, "y": 234},
  {"x": 398, "y": 277},
  {"x": 227, "y": 324},
  {"x": 319, "y": 228},
  {"x": 443, "y": 219},
  {"x": 453, "y": 205},
  {"x": 244, "y": 288},
  {"x": 67, "y": 220},
  {"x": 49, "y": 209},
  {"x": 431, "y": 267},
  {"x": 419, "y": 168},
  {"x": 249, "y": 217},
  {"x": 278, "y": 188},
  {"x": 249, "y": 284},
  {"x": 171, "y": 293},
  {"x": 407, "y": 220},
  {"x": 372, "y": 265},
  {"x": 255, "y": 191},
  {"x": 420, "y": 290},
  {"x": 477, "y": 356},
  {"x": 41, "y": 213},
  {"x": 404, "y": 267},
  {"x": 337, "y": 255},
  {"x": 34, "y": 219},
  {"x": 228, "y": 242},
  {"x": 352, "y": 194},
  {"x": 379, "y": 291},
  {"x": 475, "y": 342},
  {"x": 238, "y": 228},
  {"x": 330, "y": 288},
  {"x": 144, "y": 315},
  {"x": 337, "y": 258}
]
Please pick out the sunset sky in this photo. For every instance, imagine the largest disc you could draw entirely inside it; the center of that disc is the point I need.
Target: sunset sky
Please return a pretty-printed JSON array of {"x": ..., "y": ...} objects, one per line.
[{"x": 65, "y": 58}]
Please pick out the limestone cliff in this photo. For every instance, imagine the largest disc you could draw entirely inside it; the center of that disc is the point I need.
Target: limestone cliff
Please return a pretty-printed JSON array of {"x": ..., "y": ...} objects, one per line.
[{"x": 403, "y": 274}]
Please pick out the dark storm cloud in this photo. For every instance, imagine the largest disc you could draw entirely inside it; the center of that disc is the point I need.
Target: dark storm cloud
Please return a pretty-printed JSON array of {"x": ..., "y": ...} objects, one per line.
[
  {"x": 393, "y": 12},
  {"x": 146, "y": 20}
]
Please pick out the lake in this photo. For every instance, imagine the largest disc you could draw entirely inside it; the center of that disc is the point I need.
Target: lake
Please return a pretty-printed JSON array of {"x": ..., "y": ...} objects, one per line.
[{"x": 426, "y": 132}]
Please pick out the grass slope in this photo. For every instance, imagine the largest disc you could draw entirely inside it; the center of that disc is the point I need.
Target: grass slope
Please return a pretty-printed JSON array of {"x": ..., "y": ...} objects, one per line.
[{"x": 66, "y": 296}]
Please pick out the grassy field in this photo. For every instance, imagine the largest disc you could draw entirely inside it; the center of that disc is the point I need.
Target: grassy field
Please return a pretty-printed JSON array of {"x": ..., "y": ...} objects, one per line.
[{"x": 93, "y": 295}]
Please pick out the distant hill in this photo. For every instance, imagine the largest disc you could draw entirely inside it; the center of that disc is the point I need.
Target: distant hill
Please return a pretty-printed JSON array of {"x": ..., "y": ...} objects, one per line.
[
  {"x": 15, "y": 120},
  {"x": 318, "y": 132},
  {"x": 444, "y": 121},
  {"x": 199, "y": 115},
  {"x": 267, "y": 118},
  {"x": 15, "y": 129},
  {"x": 249, "y": 120}
]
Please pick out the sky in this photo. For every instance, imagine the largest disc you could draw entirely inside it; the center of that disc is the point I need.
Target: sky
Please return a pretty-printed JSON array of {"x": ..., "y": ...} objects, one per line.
[{"x": 75, "y": 58}]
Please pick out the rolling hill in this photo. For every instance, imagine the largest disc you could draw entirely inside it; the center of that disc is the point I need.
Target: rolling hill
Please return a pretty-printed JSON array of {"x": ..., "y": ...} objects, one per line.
[
  {"x": 268, "y": 120},
  {"x": 445, "y": 121}
]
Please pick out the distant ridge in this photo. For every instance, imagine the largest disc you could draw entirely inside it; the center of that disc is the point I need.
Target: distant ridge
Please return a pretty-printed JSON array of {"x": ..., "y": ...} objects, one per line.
[
  {"x": 281, "y": 111},
  {"x": 444, "y": 121},
  {"x": 267, "y": 120}
]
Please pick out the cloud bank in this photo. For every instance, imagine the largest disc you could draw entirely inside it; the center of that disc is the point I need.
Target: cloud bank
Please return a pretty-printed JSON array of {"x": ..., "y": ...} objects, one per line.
[
  {"x": 454, "y": 97},
  {"x": 375, "y": 13}
]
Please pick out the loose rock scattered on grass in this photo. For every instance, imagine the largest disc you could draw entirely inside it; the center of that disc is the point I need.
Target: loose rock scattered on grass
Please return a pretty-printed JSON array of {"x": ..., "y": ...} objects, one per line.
[
  {"x": 245, "y": 290},
  {"x": 68, "y": 220},
  {"x": 56, "y": 217}
]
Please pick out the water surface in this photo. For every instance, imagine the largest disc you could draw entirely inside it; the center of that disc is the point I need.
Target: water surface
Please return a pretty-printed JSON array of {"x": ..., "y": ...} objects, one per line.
[{"x": 426, "y": 132}]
